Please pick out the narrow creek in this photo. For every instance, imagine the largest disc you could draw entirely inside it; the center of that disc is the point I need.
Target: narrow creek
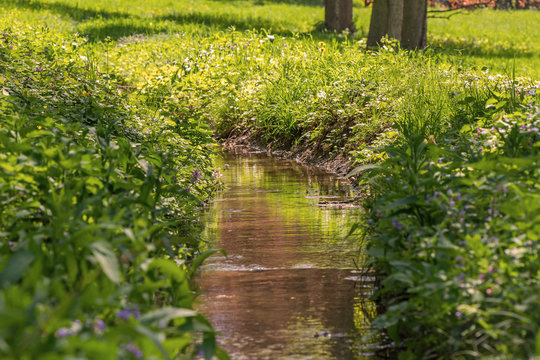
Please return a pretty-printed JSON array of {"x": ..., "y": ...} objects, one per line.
[{"x": 288, "y": 288}]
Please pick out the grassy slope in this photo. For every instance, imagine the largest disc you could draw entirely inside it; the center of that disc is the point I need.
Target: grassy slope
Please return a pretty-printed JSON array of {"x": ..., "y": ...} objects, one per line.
[{"x": 201, "y": 62}]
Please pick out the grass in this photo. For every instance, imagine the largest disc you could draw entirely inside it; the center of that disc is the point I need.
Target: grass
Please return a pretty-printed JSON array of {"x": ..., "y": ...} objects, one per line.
[{"x": 108, "y": 109}]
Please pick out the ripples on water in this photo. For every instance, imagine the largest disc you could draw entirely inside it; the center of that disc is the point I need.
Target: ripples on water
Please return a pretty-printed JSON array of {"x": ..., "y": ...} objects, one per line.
[{"x": 289, "y": 288}]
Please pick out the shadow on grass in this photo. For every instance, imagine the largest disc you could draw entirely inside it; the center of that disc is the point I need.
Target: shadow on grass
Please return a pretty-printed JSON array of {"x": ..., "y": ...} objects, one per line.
[
  {"x": 120, "y": 24},
  {"x": 72, "y": 11},
  {"x": 314, "y": 3}
]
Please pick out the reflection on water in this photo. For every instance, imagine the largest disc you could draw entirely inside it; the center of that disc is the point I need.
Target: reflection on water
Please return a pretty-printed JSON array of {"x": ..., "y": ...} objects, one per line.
[{"x": 288, "y": 288}]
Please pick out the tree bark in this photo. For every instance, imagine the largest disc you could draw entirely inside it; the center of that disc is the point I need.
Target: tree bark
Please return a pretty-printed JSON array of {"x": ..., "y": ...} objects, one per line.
[
  {"x": 414, "y": 30},
  {"x": 379, "y": 20},
  {"x": 338, "y": 14},
  {"x": 386, "y": 19}
]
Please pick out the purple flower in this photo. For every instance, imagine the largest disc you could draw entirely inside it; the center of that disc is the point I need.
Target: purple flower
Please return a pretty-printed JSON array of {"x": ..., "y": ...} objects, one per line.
[
  {"x": 63, "y": 332},
  {"x": 459, "y": 258},
  {"x": 481, "y": 276},
  {"x": 195, "y": 176},
  {"x": 124, "y": 314},
  {"x": 458, "y": 196},
  {"x": 134, "y": 350},
  {"x": 435, "y": 194},
  {"x": 462, "y": 212},
  {"x": 397, "y": 224},
  {"x": 491, "y": 269},
  {"x": 99, "y": 325},
  {"x": 227, "y": 166},
  {"x": 452, "y": 203},
  {"x": 461, "y": 276},
  {"x": 459, "y": 314}
]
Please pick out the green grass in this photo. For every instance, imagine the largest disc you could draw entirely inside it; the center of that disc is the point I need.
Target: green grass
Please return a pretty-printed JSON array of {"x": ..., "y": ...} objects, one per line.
[{"x": 91, "y": 90}]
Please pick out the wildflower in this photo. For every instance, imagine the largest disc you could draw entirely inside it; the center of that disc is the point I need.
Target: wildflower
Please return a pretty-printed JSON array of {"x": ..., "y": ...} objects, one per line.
[
  {"x": 134, "y": 350},
  {"x": 481, "y": 277},
  {"x": 491, "y": 269},
  {"x": 125, "y": 314},
  {"x": 459, "y": 258},
  {"x": 452, "y": 203},
  {"x": 435, "y": 194},
  {"x": 227, "y": 166},
  {"x": 460, "y": 242},
  {"x": 397, "y": 224},
  {"x": 462, "y": 212},
  {"x": 461, "y": 277},
  {"x": 195, "y": 176},
  {"x": 489, "y": 291},
  {"x": 99, "y": 325},
  {"x": 63, "y": 332},
  {"x": 459, "y": 314}
]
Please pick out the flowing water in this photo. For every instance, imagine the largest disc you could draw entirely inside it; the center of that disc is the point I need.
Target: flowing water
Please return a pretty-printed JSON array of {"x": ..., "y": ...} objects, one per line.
[{"x": 289, "y": 287}]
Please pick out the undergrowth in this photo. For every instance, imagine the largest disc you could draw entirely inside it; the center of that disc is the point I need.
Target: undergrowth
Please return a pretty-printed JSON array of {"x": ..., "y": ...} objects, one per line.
[{"x": 108, "y": 111}]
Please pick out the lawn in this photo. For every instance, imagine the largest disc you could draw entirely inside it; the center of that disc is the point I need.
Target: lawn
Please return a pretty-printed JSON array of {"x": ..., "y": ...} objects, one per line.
[{"x": 110, "y": 112}]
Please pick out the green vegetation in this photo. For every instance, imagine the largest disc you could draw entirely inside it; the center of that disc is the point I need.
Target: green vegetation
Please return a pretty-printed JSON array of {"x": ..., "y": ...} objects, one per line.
[
  {"x": 107, "y": 112},
  {"x": 455, "y": 228}
]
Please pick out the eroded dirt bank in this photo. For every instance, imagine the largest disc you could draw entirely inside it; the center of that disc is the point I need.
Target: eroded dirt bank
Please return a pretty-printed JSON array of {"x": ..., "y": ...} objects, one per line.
[{"x": 305, "y": 155}]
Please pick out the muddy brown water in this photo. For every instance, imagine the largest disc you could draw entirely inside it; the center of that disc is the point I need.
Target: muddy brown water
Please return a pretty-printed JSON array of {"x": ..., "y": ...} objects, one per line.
[{"x": 288, "y": 288}]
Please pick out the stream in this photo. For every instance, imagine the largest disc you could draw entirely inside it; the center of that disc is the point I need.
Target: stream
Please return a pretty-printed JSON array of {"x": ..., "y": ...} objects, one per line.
[{"x": 289, "y": 287}]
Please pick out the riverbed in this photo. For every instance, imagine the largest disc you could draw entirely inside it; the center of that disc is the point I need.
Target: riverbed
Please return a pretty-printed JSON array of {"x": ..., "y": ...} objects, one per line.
[{"x": 292, "y": 285}]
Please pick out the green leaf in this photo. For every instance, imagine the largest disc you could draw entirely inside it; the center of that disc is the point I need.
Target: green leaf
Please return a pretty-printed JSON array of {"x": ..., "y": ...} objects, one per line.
[
  {"x": 166, "y": 314},
  {"x": 106, "y": 257},
  {"x": 150, "y": 335},
  {"x": 16, "y": 267},
  {"x": 364, "y": 168},
  {"x": 199, "y": 259},
  {"x": 401, "y": 202}
]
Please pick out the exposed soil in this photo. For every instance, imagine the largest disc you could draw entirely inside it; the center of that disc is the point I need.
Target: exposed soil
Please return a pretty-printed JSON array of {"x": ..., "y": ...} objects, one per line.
[{"x": 338, "y": 165}]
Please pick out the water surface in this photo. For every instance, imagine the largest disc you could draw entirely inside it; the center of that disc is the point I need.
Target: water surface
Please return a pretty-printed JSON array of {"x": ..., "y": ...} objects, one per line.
[{"x": 288, "y": 287}]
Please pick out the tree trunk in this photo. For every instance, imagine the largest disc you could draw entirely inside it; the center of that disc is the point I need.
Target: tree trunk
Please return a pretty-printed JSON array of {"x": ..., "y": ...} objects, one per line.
[
  {"x": 414, "y": 30},
  {"x": 386, "y": 19},
  {"x": 378, "y": 23},
  {"x": 338, "y": 14},
  {"x": 395, "y": 19}
]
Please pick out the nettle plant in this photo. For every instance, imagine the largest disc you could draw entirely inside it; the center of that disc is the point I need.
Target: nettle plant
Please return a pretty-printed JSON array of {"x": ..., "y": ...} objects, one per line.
[
  {"x": 98, "y": 219},
  {"x": 455, "y": 230}
]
